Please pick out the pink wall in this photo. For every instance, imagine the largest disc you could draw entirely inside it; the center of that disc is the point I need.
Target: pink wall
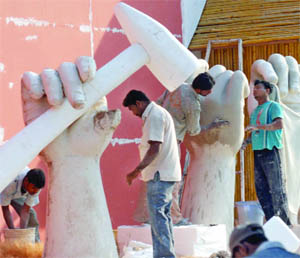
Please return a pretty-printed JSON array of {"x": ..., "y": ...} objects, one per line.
[{"x": 42, "y": 34}]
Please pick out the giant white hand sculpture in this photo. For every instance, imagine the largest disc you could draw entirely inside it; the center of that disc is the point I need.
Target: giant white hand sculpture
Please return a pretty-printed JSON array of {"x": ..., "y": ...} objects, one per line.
[
  {"x": 284, "y": 72},
  {"x": 78, "y": 222},
  {"x": 208, "y": 196}
]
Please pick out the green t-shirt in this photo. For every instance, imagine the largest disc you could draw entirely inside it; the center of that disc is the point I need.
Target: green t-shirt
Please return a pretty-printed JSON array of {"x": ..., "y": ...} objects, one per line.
[{"x": 265, "y": 114}]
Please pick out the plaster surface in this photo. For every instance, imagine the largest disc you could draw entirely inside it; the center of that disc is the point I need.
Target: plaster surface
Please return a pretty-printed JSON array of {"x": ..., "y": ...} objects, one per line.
[
  {"x": 78, "y": 221},
  {"x": 191, "y": 11},
  {"x": 208, "y": 196}
]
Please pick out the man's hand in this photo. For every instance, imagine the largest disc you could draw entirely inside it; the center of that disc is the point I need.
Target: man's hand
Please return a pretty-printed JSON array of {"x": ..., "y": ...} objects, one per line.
[
  {"x": 133, "y": 175},
  {"x": 246, "y": 142},
  {"x": 251, "y": 128},
  {"x": 150, "y": 155},
  {"x": 24, "y": 216}
]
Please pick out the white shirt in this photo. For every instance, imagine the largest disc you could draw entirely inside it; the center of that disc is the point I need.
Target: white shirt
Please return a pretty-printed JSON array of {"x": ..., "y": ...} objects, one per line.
[
  {"x": 13, "y": 191},
  {"x": 159, "y": 126}
]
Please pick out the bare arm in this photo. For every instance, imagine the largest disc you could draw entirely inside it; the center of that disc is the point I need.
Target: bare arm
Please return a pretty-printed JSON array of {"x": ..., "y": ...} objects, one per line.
[
  {"x": 7, "y": 217},
  {"x": 24, "y": 216},
  {"x": 275, "y": 125},
  {"x": 149, "y": 157}
]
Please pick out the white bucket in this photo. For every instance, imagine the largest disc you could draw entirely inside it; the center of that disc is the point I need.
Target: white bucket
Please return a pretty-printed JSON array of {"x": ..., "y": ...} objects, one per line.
[
  {"x": 249, "y": 212},
  {"x": 23, "y": 235}
]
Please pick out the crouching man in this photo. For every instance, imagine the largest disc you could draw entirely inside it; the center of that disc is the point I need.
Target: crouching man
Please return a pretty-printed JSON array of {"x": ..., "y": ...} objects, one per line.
[{"x": 22, "y": 194}]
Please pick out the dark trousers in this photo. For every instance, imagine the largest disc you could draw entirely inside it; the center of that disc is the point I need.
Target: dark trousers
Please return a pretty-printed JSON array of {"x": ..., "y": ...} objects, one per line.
[{"x": 269, "y": 184}]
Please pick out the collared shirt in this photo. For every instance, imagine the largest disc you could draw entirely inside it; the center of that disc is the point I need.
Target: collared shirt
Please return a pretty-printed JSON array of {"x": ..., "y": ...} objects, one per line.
[
  {"x": 13, "y": 191},
  {"x": 158, "y": 126},
  {"x": 184, "y": 106}
]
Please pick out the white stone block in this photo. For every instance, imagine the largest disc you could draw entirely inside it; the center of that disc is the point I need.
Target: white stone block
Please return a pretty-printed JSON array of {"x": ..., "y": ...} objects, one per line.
[
  {"x": 191, "y": 240},
  {"x": 276, "y": 230}
]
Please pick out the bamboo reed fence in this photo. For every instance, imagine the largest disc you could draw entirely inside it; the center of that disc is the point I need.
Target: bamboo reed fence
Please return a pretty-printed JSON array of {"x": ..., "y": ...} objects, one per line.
[{"x": 253, "y": 21}]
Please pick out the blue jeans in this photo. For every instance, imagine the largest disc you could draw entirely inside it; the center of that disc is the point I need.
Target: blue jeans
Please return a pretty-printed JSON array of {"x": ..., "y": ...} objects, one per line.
[
  {"x": 159, "y": 197},
  {"x": 269, "y": 184}
]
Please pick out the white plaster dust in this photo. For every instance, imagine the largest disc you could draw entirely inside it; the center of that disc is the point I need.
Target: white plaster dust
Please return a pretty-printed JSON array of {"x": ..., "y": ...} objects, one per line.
[
  {"x": 122, "y": 141},
  {"x": 85, "y": 28},
  {"x": 20, "y": 22},
  {"x": 31, "y": 37},
  {"x": 27, "y": 22}
]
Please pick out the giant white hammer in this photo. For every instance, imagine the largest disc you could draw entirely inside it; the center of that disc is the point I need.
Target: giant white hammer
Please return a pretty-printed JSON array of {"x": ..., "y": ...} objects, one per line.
[{"x": 152, "y": 45}]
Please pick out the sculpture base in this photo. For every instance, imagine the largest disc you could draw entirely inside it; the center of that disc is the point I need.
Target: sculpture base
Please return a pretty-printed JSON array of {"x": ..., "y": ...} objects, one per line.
[{"x": 191, "y": 240}]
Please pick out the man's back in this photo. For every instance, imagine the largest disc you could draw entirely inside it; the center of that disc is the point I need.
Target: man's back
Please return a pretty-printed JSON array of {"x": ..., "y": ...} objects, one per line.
[
  {"x": 159, "y": 126},
  {"x": 184, "y": 106},
  {"x": 272, "y": 249}
]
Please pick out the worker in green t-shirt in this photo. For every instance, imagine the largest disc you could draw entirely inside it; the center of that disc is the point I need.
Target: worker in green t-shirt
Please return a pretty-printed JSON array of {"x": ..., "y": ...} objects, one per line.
[{"x": 266, "y": 138}]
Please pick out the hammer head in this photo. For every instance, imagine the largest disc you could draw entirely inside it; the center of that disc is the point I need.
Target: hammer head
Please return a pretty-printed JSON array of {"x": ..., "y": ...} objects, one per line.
[{"x": 170, "y": 61}]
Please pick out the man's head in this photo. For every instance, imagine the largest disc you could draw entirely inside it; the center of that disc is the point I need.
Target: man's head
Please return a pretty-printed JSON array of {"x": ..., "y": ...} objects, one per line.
[
  {"x": 245, "y": 239},
  {"x": 34, "y": 181},
  {"x": 203, "y": 84},
  {"x": 136, "y": 101},
  {"x": 262, "y": 89}
]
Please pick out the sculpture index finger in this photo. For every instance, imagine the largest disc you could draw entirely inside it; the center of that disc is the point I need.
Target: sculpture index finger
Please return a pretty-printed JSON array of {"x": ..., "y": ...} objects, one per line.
[{"x": 33, "y": 83}]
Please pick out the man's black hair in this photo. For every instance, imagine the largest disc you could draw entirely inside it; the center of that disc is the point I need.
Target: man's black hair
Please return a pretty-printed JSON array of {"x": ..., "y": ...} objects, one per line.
[
  {"x": 204, "y": 81},
  {"x": 133, "y": 96},
  {"x": 267, "y": 85},
  {"x": 256, "y": 239},
  {"x": 36, "y": 177}
]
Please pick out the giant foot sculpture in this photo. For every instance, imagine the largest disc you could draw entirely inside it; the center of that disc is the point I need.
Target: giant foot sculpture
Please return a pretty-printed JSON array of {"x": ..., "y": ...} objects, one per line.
[
  {"x": 284, "y": 72},
  {"x": 208, "y": 196}
]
